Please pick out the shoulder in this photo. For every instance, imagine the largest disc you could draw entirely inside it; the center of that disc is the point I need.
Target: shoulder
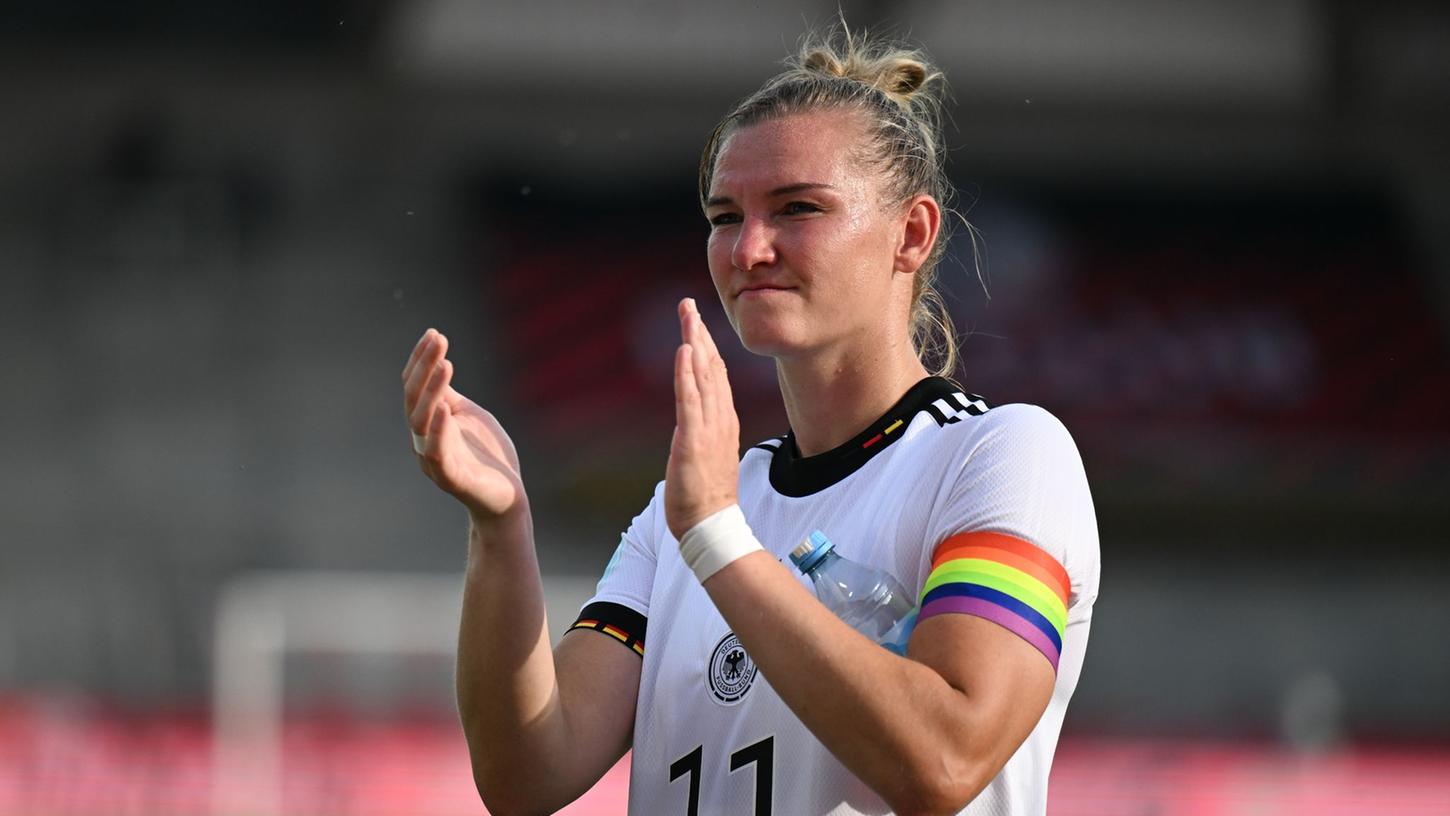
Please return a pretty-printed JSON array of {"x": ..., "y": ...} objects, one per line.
[
  {"x": 765, "y": 448},
  {"x": 656, "y": 497},
  {"x": 1011, "y": 460},
  {"x": 1026, "y": 424},
  {"x": 1021, "y": 453},
  {"x": 1020, "y": 431},
  {"x": 1022, "y": 415},
  {"x": 650, "y": 520},
  {"x": 755, "y": 462}
]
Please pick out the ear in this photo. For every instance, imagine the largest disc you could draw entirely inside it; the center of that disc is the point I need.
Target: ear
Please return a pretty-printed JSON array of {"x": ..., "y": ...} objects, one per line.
[{"x": 918, "y": 234}]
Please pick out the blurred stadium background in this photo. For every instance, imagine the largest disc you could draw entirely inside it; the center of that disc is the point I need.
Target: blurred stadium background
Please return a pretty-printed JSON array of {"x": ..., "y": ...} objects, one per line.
[{"x": 1218, "y": 240}]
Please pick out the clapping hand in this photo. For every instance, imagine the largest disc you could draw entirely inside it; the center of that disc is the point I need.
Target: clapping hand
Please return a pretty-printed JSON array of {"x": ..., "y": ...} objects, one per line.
[
  {"x": 701, "y": 476},
  {"x": 459, "y": 445}
]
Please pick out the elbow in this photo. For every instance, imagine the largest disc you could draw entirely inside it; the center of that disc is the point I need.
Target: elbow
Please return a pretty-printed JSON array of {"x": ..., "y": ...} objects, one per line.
[
  {"x": 502, "y": 802},
  {"x": 934, "y": 801},
  {"x": 497, "y": 799},
  {"x": 943, "y": 785},
  {"x": 502, "y": 783},
  {"x": 501, "y": 797}
]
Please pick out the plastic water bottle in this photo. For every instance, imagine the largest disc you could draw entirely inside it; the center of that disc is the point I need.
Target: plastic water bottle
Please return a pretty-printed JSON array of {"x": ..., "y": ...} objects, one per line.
[{"x": 869, "y": 600}]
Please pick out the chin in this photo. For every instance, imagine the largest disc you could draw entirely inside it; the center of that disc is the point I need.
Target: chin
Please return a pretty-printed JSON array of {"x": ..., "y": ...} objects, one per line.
[
  {"x": 769, "y": 340},
  {"x": 770, "y": 330}
]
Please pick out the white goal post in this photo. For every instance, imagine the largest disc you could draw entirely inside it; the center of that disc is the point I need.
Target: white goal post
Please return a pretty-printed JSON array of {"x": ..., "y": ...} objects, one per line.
[{"x": 263, "y": 617}]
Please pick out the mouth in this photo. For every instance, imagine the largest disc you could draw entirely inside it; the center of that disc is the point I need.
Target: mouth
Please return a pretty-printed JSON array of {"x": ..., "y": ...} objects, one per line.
[{"x": 763, "y": 290}]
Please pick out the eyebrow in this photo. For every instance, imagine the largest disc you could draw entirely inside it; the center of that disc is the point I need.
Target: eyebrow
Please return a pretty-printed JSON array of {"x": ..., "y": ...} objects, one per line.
[{"x": 720, "y": 201}]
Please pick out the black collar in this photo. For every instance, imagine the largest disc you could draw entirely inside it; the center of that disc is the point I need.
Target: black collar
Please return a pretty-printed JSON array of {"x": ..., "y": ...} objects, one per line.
[{"x": 794, "y": 475}]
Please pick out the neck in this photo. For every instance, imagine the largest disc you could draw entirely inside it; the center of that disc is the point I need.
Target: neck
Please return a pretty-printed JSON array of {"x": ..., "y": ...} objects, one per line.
[{"x": 830, "y": 397}]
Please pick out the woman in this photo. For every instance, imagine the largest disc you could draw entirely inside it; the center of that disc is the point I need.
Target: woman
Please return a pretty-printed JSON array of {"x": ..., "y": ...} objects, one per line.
[{"x": 824, "y": 193}]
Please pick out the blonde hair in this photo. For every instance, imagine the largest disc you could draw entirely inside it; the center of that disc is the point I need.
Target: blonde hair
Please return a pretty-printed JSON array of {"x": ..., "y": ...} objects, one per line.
[{"x": 898, "y": 92}]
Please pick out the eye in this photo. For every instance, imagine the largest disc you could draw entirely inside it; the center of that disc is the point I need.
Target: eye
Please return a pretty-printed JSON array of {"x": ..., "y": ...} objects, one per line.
[
  {"x": 799, "y": 208},
  {"x": 721, "y": 219}
]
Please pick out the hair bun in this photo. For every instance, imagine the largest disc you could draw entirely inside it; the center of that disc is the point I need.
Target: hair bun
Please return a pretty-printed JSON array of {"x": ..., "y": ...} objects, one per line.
[
  {"x": 822, "y": 61},
  {"x": 903, "y": 77},
  {"x": 901, "y": 73}
]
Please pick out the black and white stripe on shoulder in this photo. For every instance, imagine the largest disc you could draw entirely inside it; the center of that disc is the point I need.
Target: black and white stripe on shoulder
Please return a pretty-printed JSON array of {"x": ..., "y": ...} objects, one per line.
[
  {"x": 770, "y": 444},
  {"x": 951, "y": 408}
]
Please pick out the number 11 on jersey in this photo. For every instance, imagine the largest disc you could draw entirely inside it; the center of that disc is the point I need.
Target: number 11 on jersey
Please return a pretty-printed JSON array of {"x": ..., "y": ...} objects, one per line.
[{"x": 760, "y": 754}]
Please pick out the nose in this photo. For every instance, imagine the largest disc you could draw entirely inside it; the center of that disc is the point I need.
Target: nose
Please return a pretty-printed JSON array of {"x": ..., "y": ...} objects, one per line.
[{"x": 754, "y": 245}]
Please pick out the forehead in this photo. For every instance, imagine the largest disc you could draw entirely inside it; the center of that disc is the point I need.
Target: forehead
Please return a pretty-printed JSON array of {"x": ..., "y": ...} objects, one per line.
[{"x": 813, "y": 147}]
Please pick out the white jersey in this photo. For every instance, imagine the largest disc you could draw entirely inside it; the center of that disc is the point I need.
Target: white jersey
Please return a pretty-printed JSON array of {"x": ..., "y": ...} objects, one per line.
[{"x": 976, "y": 511}]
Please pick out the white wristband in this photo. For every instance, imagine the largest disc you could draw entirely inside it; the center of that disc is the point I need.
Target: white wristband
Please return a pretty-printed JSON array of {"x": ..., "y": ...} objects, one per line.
[{"x": 719, "y": 539}]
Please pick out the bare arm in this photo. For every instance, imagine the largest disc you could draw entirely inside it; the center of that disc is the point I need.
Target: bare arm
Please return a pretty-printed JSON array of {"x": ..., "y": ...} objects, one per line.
[
  {"x": 958, "y": 706},
  {"x": 535, "y": 737}
]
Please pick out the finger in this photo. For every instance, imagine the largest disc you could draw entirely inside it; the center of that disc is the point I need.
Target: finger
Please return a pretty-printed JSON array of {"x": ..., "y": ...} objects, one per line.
[
  {"x": 432, "y": 393},
  {"x": 690, "y": 331},
  {"x": 687, "y": 394},
  {"x": 704, "y": 378},
  {"x": 417, "y": 368},
  {"x": 417, "y": 353},
  {"x": 451, "y": 396},
  {"x": 706, "y": 339},
  {"x": 436, "y": 427},
  {"x": 723, "y": 401},
  {"x": 422, "y": 370},
  {"x": 682, "y": 309},
  {"x": 430, "y": 397},
  {"x": 719, "y": 398},
  {"x": 719, "y": 377}
]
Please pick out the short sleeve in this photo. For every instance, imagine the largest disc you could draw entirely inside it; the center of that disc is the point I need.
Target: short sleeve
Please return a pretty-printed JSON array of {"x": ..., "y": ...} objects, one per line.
[
  {"x": 620, "y": 605},
  {"x": 1015, "y": 539}
]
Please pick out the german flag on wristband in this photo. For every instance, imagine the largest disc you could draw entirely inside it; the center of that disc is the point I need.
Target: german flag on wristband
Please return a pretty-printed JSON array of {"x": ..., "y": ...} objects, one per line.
[
  {"x": 616, "y": 620},
  {"x": 1005, "y": 580}
]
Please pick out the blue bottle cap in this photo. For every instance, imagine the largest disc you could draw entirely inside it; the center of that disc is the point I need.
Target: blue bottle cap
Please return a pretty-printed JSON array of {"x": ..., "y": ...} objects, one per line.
[{"x": 808, "y": 554}]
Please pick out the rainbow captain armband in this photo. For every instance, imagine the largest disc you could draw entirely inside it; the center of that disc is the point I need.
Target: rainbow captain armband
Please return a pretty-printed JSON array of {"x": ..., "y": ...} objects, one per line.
[
  {"x": 1005, "y": 580},
  {"x": 616, "y": 620}
]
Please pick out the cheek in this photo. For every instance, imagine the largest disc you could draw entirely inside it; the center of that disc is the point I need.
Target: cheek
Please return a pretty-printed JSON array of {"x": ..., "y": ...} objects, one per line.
[{"x": 717, "y": 257}]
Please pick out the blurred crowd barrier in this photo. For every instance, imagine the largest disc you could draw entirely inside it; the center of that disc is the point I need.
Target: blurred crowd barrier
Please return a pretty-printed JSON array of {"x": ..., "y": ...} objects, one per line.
[{"x": 78, "y": 759}]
